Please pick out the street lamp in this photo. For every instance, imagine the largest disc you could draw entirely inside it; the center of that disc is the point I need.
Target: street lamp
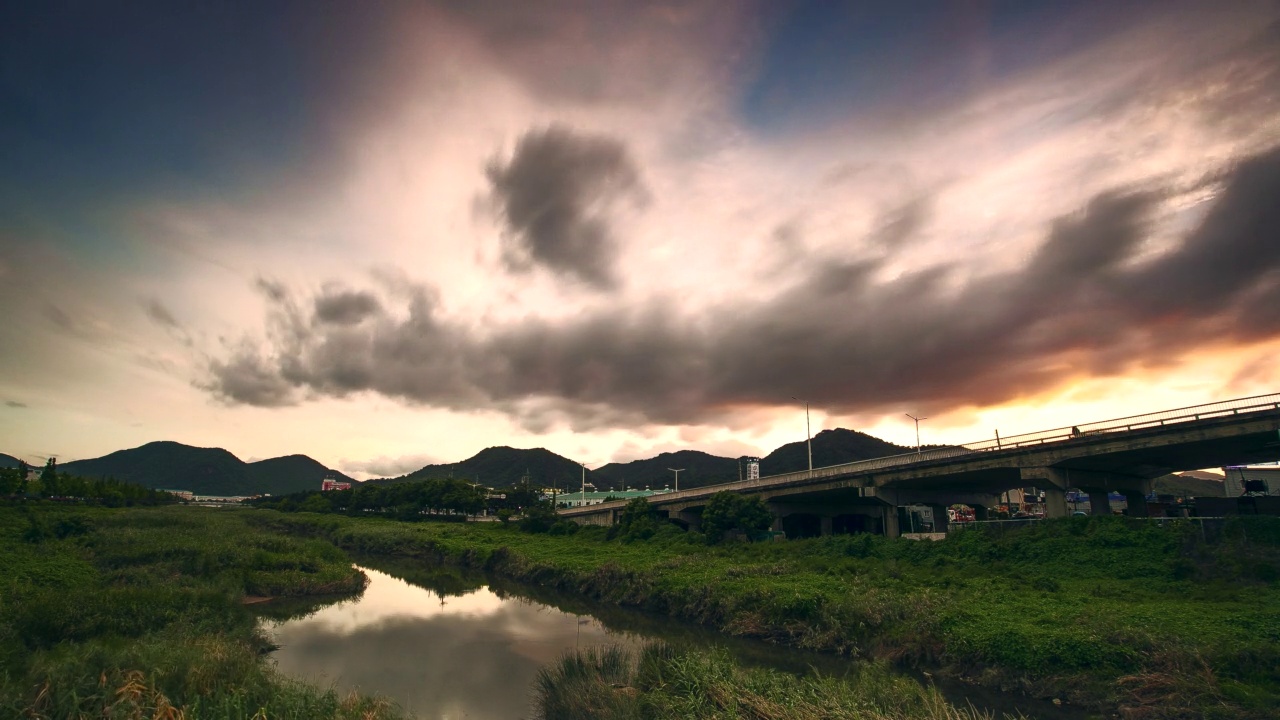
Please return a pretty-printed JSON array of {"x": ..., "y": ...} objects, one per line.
[
  {"x": 584, "y": 484},
  {"x": 677, "y": 472},
  {"x": 913, "y": 417},
  {"x": 808, "y": 439}
]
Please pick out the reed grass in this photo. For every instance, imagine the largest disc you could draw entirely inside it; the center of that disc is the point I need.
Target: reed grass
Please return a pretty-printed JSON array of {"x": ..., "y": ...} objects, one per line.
[{"x": 661, "y": 683}]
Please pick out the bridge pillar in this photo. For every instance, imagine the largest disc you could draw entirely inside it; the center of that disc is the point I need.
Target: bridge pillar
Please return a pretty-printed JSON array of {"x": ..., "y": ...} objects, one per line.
[
  {"x": 1137, "y": 501},
  {"x": 1055, "y": 503},
  {"x": 889, "y": 521},
  {"x": 777, "y": 521},
  {"x": 692, "y": 519},
  {"x": 1099, "y": 502},
  {"x": 940, "y": 517},
  {"x": 1053, "y": 481},
  {"x": 824, "y": 524},
  {"x": 980, "y": 512}
]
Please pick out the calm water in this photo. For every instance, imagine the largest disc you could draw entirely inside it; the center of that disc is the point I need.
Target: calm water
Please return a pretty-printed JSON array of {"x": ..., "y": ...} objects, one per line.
[
  {"x": 473, "y": 655},
  {"x": 454, "y": 645}
]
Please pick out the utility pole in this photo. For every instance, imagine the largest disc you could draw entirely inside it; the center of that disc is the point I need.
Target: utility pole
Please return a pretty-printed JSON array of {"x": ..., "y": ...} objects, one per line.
[
  {"x": 677, "y": 472},
  {"x": 913, "y": 417},
  {"x": 584, "y": 484},
  {"x": 808, "y": 437}
]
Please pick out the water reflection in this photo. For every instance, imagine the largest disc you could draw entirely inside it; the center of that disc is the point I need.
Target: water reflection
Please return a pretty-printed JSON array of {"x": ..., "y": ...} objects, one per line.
[
  {"x": 445, "y": 642},
  {"x": 441, "y": 655}
]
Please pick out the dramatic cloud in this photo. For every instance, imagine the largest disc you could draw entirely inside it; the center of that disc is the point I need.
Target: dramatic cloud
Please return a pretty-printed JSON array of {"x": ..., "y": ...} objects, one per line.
[
  {"x": 346, "y": 308},
  {"x": 554, "y": 195},
  {"x": 1087, "y": 302},
  {"x": 14, "y": 404}
]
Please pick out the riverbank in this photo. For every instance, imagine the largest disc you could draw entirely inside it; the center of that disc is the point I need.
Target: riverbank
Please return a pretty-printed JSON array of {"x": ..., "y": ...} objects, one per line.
[
  {"x": 1097, "y": 612},
  {"x": 140, "y": 614}
]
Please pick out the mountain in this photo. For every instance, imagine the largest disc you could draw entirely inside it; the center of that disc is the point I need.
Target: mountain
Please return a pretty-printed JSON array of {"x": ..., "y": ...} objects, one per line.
[
  {"x": 8, "y": 461},
  {"x": 830, "y": 447},
  {"x": 697, "y": 469},
  {"x": 204, "y": 471},
  {"x": 290, "y": 474},
  {"x": 504, "y": 466},
  {"x": 1190, "y": 484}
]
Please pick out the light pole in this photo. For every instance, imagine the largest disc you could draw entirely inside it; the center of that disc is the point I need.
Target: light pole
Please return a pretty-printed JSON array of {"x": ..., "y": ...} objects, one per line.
[
  {"x": 913, "y": 417},
  {"x": 584, "y": 484},
  {"x": 677, "y": 472},
  {"x": 808, "y": 439}
]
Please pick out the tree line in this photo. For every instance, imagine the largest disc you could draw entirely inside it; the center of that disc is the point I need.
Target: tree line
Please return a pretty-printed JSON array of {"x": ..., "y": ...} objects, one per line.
[
  {"x": 411, "y": 500},
  {"x": 52, "y": 484}
]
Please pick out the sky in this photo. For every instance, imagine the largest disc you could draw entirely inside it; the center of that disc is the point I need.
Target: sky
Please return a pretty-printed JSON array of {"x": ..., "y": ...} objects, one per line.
[{"x": 385, "y": 234}]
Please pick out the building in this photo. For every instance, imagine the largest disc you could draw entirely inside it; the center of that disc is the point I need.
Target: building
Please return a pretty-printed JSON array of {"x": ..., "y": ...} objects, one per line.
[
  {"x": 1251, "y": 480},
  {"x": 579, "y": 499},
  {"x": 331, "y": 483}
]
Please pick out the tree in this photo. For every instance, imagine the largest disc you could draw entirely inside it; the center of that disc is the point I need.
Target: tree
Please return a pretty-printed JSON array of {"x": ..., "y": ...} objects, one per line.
[
  {"x": 637, "y": 520},
  {"x": 728, "y": 511},
  {"x": 539, "y": 517}
]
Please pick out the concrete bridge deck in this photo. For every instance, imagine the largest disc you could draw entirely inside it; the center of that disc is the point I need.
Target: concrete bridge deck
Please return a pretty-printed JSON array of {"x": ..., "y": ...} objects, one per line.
[{"x": 1121, "y": 455}]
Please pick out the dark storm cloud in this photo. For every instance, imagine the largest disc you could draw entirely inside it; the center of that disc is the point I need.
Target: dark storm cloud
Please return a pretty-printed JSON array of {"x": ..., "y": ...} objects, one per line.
[
  {"x": 554, "y": 195},
  {"x": 247, "y": 379},
  {"x": 1085, "y": 303},
  {"x": 14, "y": 404},
  {"x": 346, "y": 308}
]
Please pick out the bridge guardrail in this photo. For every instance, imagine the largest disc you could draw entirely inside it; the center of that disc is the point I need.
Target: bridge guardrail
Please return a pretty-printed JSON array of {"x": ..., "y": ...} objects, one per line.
[{"x": 1132, "y": 422}]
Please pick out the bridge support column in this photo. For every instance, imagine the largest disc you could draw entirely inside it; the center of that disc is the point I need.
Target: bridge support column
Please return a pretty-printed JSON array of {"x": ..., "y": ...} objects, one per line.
[
  {"x": 1137, "y": 501},
  {"x": 940, "y": 518},
  {"x": 889, "y": 521},
  {"x": 692, "y": 519},
  {"x": 824, "y": 524},
  {"x": 1099, "y": 502},
  {"x": 777, "y": 522},
  {"x": 1055, "y": 503}
]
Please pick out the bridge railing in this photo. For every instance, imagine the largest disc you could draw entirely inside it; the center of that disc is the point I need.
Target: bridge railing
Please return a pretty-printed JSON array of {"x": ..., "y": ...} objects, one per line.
[{"x": 1133, "y": 422}]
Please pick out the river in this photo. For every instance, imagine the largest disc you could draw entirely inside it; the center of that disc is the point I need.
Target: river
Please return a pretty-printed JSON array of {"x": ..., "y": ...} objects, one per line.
[{"x": 445, "y": 645}]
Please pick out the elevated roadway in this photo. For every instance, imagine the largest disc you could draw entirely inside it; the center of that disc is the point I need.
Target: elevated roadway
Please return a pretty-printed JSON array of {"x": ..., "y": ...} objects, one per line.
[{"x": 1122, "y": 455}]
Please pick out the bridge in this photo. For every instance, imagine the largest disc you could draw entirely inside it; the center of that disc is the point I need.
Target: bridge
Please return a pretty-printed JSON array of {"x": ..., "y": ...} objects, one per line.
[{"x": 1122, "y": 455}]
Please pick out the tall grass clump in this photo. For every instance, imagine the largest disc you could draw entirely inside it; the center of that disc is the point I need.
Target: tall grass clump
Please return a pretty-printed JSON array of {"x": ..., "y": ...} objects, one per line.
[{"x": 662, "y": 683}]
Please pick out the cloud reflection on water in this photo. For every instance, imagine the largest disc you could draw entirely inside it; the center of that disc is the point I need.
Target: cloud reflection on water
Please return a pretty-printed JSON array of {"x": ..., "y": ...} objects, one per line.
[{"x": 473, "y": 656}]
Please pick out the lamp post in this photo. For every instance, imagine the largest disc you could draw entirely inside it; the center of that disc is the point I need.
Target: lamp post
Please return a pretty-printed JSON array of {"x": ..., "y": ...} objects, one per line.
[
  {"x": 584, "y": 484},
  {"x": 808, "y": 439},
  {"x": 913, "y": 417},
  {"x": 677, "y": 472}
]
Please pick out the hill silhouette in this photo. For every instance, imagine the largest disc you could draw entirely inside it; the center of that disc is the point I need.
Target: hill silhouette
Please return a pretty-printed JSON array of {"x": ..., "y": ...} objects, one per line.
[
  {"x": 830, "y": 447},
  {"x": 503, "y": 467},
  {"x": 204, "y": 471},
  {"x": 8, "y": 461},
  {"x": 1190, "y": 484},
  {"x": 697, "y": 469},
  {"x": 289, "y": 474}
]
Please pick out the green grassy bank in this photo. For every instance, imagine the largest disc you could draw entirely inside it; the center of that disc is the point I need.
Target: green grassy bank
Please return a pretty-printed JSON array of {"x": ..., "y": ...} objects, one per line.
[
  {"x": 662, "y": 683},
  {"x": 1102, "y": 612},
  {"x": 141, "y": 614}
]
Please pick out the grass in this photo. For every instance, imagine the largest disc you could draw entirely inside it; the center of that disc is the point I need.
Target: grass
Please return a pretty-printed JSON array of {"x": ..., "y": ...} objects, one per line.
[
  {"x": 661, "y": 683},
  {"x": 139, "y": 614},
  {"x": 1101, "y": 612}
]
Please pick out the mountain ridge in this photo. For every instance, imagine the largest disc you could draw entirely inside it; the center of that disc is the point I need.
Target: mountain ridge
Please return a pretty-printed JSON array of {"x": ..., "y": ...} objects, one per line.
[{"x": 171, "y": 465}]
